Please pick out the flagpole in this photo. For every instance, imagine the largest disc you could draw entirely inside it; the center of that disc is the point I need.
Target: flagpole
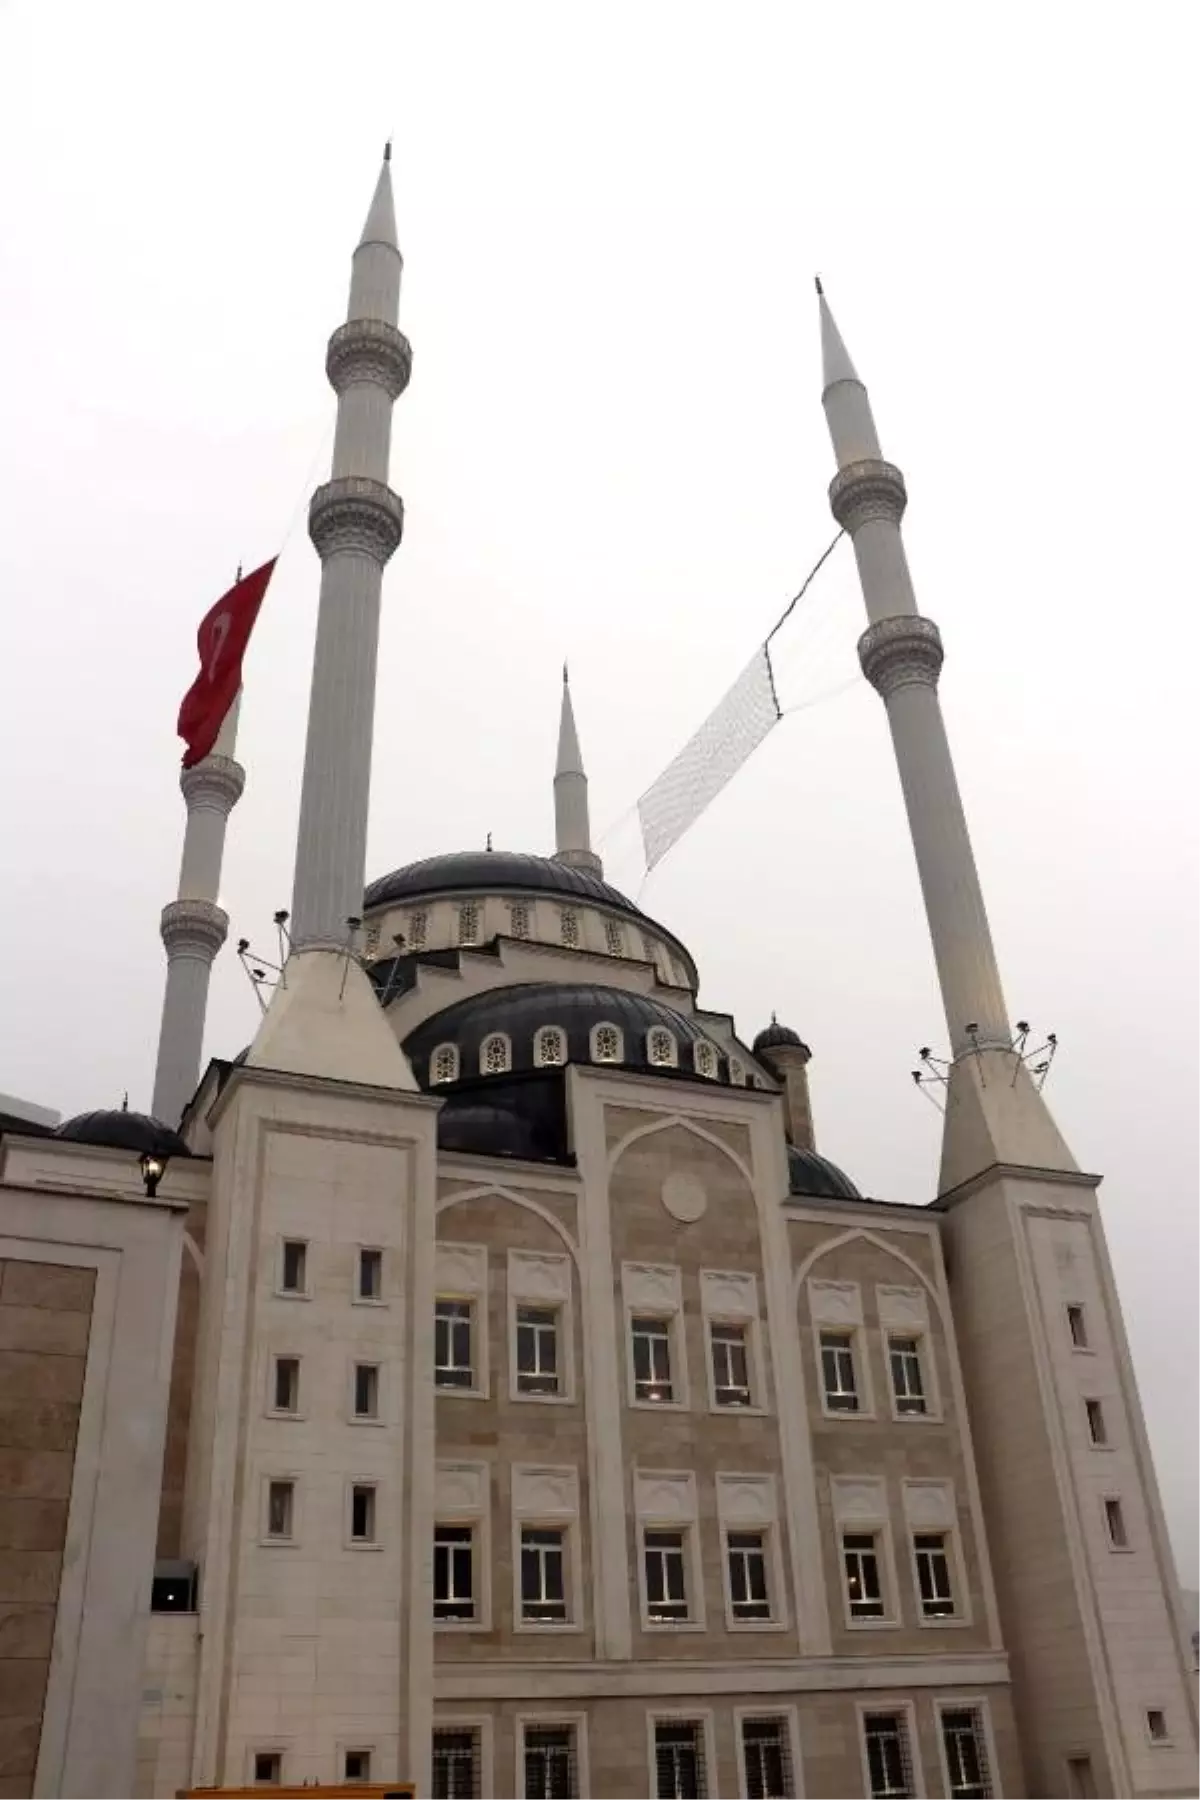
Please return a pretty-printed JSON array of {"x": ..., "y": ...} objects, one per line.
[{"x": 193, "y": 926}]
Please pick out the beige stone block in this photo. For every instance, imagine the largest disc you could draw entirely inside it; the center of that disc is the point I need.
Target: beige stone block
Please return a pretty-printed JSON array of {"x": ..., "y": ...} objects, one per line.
[
  {"x": 25, "y": 1630},
  {"x": 29, "y": 1524},
  {"x": 33, "y": 1473},
  {"x": 29, "y": 1575},
  {"x": 50, "y": 1285},
  {"x": 33, "y": 1375},
  {"x": 37, "y": 1425},
  {"x": 41, "y": 1328}
]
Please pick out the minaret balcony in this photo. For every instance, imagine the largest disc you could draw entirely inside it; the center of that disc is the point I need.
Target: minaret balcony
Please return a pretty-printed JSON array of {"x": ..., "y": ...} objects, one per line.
[
  {"x": 354, "y": 514},
  {"x": 369, "y": 351},
  {"x": 862, "y": 491}
]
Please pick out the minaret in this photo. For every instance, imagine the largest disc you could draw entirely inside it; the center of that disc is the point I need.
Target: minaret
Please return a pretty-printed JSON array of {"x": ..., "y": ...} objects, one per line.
[
  {"x": 355, "y": 522},
  {"x": 193, "y": 925},
  {"x": 572, "y": 831}
]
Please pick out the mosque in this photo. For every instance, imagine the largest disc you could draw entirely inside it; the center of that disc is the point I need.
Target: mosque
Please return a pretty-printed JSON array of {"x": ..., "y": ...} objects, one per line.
[{"x": 483, "y": 1381}]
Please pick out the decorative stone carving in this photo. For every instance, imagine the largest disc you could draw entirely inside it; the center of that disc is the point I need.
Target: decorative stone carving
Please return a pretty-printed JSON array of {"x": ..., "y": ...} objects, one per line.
[
  {"x": 354, "y": 513},
  {"x": 545, "y": 1493},
  {"x": 460, "y": 1489},
  {"x": 669, "y": 1499},
  {"x": 745, "y": 1499},
  {"x": 653, "y": 1286},
  {"x": 684, "y": 1197},
  {"x": 903, "y": 652},
  {"x": 867, "y": 490},
  {"x": 369, "y": 350},
  {"x": 193, "y": 928},
  {"x": 460, "y": 1269},
  {"x": 533, "y": 1277},
  {"x": 928, "y": 1505},
  {"x": 215, "y": 782},
  {"x": 902, "y": 1308},
  {"x": 863, "y": 1499},
  {"x": 835, "y": 1303},
  {"x": 728, "y": 1295}
]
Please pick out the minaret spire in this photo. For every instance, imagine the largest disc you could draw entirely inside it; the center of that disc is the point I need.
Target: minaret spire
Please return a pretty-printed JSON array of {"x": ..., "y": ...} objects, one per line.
[{"x": 572, "y": 829}]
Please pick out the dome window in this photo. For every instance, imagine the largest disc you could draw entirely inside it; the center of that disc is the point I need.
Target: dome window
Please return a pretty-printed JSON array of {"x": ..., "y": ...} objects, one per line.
[
  {"x": 614, "y": 938},
  {"x": 737, "y": 1073},
  {"x": 704, "y": 1057},
  {"x": 468, "y": 923},
  {"x": 443, "y": 1064},
  {"x": 418, "y": 929},
  {"x": 495, "y": 1055},
  {"x": 570, "y": 927},
  {"x": 518, "y": 918},
  {"x": 608, "y": 1044},
  {"x": 647, "y": 947},
  {"x": 661, "y": 1049},
  {"x": 550, "y": 1047}
]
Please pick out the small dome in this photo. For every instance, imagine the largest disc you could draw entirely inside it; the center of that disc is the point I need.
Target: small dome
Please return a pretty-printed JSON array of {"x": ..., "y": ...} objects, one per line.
[
  {"x": 817, "y": 1178},
  {"x": 778, "y": 1037},
  {"x": 116, "y": 1129}
]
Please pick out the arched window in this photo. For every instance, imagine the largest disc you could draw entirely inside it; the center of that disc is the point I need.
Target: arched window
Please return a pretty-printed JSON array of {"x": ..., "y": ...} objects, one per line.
[
  {"x": 549, "y": 1047},
  {"x": 614, "y": 938},
  {"x": 468, "y": 922},
  {"x": 570, "y": 927},
  {"x": 495, "y": 1055},
  {"x": 737, "y": 1073},
  {"x": 608, "y": 1044},
  {"x": 705, "y": 1059},
  {"x": 418, "y": 929},
  {"x": 518, "y": 918},
  {"x": 443, "y": 1064},
  {"x": 661, "y": 1049}
]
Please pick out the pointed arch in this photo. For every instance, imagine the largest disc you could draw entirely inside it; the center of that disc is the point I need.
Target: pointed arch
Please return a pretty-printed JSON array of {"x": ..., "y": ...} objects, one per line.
[
  {"x": 686, "y": 1124},
  {"x": 496, "y": 1190},
  {"x": 848, "y": 1237}
]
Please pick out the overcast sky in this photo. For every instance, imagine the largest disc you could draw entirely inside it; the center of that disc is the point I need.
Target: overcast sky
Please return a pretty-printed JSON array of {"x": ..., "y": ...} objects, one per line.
[{"x": 613, "y": 449}]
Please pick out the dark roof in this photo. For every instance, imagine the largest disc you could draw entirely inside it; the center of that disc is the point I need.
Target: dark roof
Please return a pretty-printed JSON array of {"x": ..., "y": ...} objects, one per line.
[
  {"x": 778, "y": 1037},
  {"x": 117, "y": 1129},
  {"x": 521, "y": 1011},
  {"x": 494, "y": 871},
  {"x": 817, "y": 1178}
]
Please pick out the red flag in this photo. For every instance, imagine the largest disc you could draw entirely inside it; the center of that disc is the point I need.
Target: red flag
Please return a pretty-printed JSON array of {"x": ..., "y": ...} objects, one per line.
[{"x": 221, "y": 640}]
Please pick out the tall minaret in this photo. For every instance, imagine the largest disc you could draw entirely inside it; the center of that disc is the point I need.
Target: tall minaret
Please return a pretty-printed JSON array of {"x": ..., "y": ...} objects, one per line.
[
  {"x": 193, "y": 925},
  {"x": 355, "y": 521},
  {"x": 572, "y": 830}
]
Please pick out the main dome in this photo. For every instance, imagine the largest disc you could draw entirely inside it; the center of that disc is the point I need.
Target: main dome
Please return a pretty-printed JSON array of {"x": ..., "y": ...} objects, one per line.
[{"x": 494, "y": 871}]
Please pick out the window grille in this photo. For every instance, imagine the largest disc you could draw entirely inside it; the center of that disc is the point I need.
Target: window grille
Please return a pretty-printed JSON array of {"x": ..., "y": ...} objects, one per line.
[
  {"x": 679, "y": 1771},
  {"x": 468, "y": 923},
  {"x": 705, "y": 1059},
  {"x": 452, "y": 1363},
  {"x": 889, "y": 1759},
  {"x": 965, "y": 1745},
  {"x": 518, "y": 919},
  {"x": 569, "y": 928},
  {"x": 661, "y": 1049},
  {"x": 550, "y": 1770},
  {"x": 457, "y": 1764},
  {"x": 614, "y": 938},
  {"x": 444, "y": 1064},
  {"x": 494, "y": 1055},
  {"x": 737, "y": 1073},
  {"x": 607, "y": 1044},
  {"x": 551, "y": 1047},
  {"x": 766, "y": 1752},
  {"x": 418, "y": 930}
]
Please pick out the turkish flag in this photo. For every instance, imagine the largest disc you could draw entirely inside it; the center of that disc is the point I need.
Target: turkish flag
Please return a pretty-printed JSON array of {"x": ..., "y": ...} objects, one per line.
[{"x": 221, "y": 640}]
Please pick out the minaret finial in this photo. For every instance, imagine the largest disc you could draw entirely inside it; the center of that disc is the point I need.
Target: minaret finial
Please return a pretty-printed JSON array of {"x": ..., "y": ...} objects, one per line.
[
  {"x": 572, "y": 829},
  {"x": 820, "y": 289},
  {"x": 387, "y": 151}
]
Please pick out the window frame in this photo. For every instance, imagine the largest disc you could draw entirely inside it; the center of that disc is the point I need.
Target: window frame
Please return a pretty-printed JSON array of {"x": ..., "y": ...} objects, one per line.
[
  {"x": 573, "y": 1721},
  {"x": 558, "y": 1309},
  {"x": 456, "y": 1058},
  {"x": 927, "y": 1366},
  {"x": 539, "y": 1059},
  {"x": 1167, "y": 1740},
  {"x": 884, "y": 1703},
  {"x": 693, "y": 1575},
  {"x": 671, "y": 1061},
  {"x": 496, "y": 1037},
  {"x": 355, "y": 1748},
  {"x": 1104, "y": 1441},
  {"x": 353, "y": 1484},
  {"x": 787, "y": 1717},
  {"x": 714, "y": 1322},
  {"x": 353, "y": 1416},
  {"x": 411, "y": 931},
  {"x": 1123, "y": 1546},
  {"x": 279, "y": 1752},
  {"x": 571, "y": 1574},
  {"x": 679, "y": 1394},
  {"x": 524, "y": 908},
  {"x": 359, "y": 1298},
  {"x": 570, "y": 928},
  {"x": 861, "y": 1367},
  {"x": 266, "y": 1537},
  {"x": 481, "y": 1725},
  {"x": 768, "y": 1533},
  {"x": 476, "y": 1305},
  {"x": 304, "y": 1291},
  {"x": 701, "y": 1716},
  {"x": 462, "y": 910},
  {"x": 606, "y": 1062},
  {"x": 480, "y": 1586},
  {"x": 272, "y": 1408},
  {"x": 1081, "y": 1345},
  {"x": 977, "y": 1703},
  {"x": 879, "y": 1529},
  {"x": 949, "y": 1552},
  {"x": 702, "y": 1046}
]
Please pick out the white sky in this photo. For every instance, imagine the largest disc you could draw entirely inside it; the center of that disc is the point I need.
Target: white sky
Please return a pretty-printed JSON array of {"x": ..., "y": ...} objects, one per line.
[{"x": 613, "y": 449}]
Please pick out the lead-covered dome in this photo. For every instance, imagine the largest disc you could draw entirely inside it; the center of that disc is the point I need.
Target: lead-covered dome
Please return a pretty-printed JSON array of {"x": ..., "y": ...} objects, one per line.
[
  {"x": 494, "y": 871},
  {"x": 117, "y": 1129},
  {"x": 814, "y": 1176}
]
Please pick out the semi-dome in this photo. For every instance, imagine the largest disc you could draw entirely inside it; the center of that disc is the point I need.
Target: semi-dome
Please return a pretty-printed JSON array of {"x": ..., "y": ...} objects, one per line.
[
  {"x": 778, "y": 1037},
  {"x": 539, "y": 1025},
  {"x": 494, "y": 871},
  {"x": 816, "y": 1177},
  {"x": 480, "y": 1129},
  {"x": 117, "y": 1129}
]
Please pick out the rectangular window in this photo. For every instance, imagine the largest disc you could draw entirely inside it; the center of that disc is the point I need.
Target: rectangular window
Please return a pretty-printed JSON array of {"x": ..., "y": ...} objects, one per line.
[
  {"x": 268, "y": 1768},
  {"x": 293, "y": 1266},
  {"x": 1114, "y": 1519},
  {"x": 748, "y": 1594},
  {"x": 452, "y": 1344},
  {"x": 569, "y": 921},
  {"x": 666, "y": 1582},
  {"x": 652, "y": 1359},
  {"x": 537, "y": 1350},
  {"x": 457, "y": 1764},
  {"x": 366, "y": 1390},
  {"x": 1156, "y": 1726},
  {"x": 362, "y": 1514},
  {"x": 730, "y": 1365},
  {"x": 281, "y": 1508},
  {"x": 1081, "y": 1784},
  {"x": 933, "y": 1575},
  {"x": 418, "y": 927},
  {"x": 454, "y": 1572},
  {"x": 286, "y": 1389},
  {"x": 1077, "y": 1326},
  {"x": 370, "y": 1274},
  {"x": 679, "y": 1772},
  {"x": 838, "y": 1372},
  {"x": 965, "y": 1747},
  {"x": 468, "y": 923},
  {"x": 864, "y": 1590},
  {"x": 766, "y": 1753},
  {"x": 889, "y": 1760},
  {"x": 518, "y": 919},
  {"x": 908, "y": 1384},
  {"x": 543, "y": 1575},
  {"x": 1095, "y": 1422},
  {"x": 550, "y": 1763},
  {"x": 356, "y": 1765}
]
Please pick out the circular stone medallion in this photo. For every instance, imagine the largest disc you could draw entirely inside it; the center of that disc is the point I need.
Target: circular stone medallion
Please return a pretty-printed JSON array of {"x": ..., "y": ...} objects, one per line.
[{"x": 684, "y": 1198}]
